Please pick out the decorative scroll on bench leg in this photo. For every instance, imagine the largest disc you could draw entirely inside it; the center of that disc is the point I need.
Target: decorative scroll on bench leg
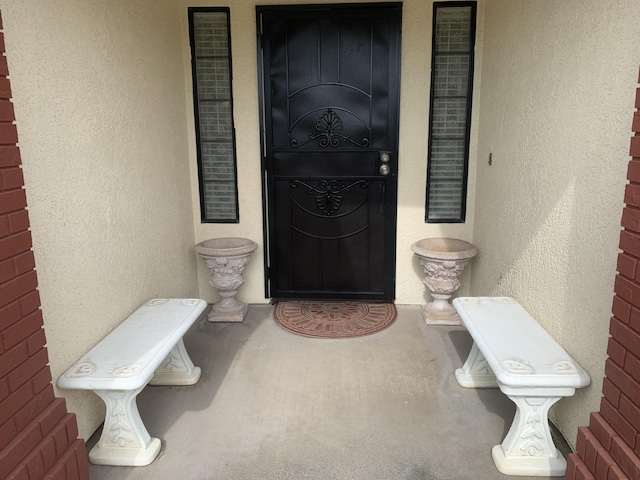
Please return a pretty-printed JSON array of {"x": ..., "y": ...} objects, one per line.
[
  {"x": 177, "y": 368},
  {"x": 125, "y": 440},
  {"x": 476, "y": 372},
  {"x": 528, "y": 448}
]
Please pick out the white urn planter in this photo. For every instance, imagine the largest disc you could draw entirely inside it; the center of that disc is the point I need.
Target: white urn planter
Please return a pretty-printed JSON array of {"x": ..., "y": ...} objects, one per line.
[
  {"x": 443, "y": 261},
  {"x": 226, "y": 259}
]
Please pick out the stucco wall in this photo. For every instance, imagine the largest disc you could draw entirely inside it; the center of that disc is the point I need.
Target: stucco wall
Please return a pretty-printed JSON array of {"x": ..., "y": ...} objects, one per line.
[
  {"x": 414, "y": 114},
  {"x": 99, "y": 100},
  {"x": 557, "y": 95}
]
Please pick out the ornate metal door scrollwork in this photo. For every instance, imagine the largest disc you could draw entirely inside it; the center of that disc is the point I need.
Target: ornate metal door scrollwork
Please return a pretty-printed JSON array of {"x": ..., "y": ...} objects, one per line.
[
  {"x": 329, "y": 88},
  {"x": 329, "y": 124},
  {"x": 329, "y": 193}
]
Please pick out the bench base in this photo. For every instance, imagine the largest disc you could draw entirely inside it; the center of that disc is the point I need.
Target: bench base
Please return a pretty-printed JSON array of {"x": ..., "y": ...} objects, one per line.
[
  {"x": 125, "y": 457},
  {"x": 177, "y": 368},
  {"x": 528, "y": 448},
  {"x": 176, "y": 378},
  {"x": 529, "y": 466},
  {"x": 125, "y": 440},
  {"x": 476, "y": 373}
]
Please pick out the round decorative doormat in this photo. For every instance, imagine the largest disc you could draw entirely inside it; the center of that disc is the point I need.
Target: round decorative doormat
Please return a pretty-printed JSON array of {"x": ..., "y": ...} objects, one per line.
[{"x": 334, "y": 319}]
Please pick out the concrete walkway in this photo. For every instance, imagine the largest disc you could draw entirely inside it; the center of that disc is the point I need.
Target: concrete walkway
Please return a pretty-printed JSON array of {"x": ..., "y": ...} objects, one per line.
[{"x": 274, "y": 405}]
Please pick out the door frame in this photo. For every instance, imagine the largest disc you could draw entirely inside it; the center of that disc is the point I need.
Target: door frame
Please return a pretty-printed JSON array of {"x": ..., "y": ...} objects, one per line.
[{"x": 264, "y": 100}]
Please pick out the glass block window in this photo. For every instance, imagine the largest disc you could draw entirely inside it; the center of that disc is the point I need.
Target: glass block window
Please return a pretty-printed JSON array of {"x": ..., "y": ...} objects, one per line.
[
  {"x": 213, "y": 104},
  {"x": 450, "y": 112}
]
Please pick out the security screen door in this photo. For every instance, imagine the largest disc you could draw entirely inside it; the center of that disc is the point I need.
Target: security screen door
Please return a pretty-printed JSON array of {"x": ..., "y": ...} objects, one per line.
[{"x": 330, "y": 90}]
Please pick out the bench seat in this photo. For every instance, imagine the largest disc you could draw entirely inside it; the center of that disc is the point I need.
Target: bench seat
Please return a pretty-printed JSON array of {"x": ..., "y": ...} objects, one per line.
[
  {"x": 147, "y": 347},
  {"x": 513, "y": 352}
]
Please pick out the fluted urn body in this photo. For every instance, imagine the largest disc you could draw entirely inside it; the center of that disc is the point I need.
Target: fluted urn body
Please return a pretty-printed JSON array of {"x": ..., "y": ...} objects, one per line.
[
  {"x": 443, "y": 261},
  {"x": 226, "y": 259}
]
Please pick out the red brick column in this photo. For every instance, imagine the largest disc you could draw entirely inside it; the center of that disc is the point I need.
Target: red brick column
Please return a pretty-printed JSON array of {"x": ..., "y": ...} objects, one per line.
[
  {"x": 38, "y": 438},
  {"x": 609, "y": 448}
]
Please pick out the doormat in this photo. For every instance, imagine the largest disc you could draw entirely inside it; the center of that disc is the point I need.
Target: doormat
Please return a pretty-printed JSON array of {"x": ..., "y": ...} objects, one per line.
[{"x": 334, "y": 319}]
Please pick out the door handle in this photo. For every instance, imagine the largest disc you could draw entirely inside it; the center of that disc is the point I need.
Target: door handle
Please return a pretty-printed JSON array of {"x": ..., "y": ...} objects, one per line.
[{"x": 384, "y": 169}]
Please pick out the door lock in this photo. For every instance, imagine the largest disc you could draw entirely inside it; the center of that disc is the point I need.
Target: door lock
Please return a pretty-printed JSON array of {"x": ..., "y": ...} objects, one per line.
[{"x": 385, "y": 158}]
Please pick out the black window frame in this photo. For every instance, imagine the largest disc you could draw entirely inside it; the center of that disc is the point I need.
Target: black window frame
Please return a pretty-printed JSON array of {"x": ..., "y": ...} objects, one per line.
[
  {"x": 196, "y": 105},
  {"x": 461, "y": 218}
]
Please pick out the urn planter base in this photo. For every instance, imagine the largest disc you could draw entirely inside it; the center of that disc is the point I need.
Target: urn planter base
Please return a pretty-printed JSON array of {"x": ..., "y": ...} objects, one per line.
[
  {"x": 433, "y": 314},
  {"x": 220, "y": 314}
]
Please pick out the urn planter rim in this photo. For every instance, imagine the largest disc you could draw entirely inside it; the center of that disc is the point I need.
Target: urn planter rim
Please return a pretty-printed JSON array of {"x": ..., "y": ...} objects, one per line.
[
  {"x": 225, "y": 247},
  {"x": 444, "y": 248}
]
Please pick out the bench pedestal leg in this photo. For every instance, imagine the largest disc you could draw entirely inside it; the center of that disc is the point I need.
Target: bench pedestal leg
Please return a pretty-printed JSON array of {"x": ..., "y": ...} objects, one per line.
[
  {"x": 125, "y": 440},
  {"x": 177, "y": 368},
  {"x": 528, "y": 448},
  {"x": 476, "y": 373}
]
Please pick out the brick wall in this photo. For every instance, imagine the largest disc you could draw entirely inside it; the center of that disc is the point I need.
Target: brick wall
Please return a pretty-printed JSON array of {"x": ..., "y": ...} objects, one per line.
[
  {"x": 609, "y": 448},
  {"x": 38, "y": 438}
]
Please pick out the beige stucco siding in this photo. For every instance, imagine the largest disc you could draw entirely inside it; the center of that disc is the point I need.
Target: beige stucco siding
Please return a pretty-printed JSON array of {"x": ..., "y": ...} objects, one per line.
[
  {"x": 556, "y": 104},
  {"x": 99, "y": 100}
]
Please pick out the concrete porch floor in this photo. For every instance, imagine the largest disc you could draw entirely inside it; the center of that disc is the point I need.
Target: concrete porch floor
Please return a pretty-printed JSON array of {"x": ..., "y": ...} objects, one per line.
[{"x": 274, "y": 405}]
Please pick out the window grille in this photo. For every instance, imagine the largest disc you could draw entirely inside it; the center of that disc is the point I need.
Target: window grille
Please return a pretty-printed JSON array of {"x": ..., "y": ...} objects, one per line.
[
  {"x": 450, "y": 112},
  {"x": 213, "y": 105}
]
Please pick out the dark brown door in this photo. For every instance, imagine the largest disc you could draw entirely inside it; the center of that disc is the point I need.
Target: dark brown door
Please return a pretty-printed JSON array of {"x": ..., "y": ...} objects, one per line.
[{"x": 330, "y": 89}]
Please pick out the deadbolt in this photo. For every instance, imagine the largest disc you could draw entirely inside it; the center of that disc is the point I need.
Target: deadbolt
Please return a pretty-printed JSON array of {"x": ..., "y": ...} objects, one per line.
[{"x": 384, "y": 157}]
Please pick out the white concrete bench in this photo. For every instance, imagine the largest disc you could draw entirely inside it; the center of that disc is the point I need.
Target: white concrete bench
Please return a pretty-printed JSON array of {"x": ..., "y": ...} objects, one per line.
[
  {"x": 513, "y": 352},
  {"x": 145, "y": 348}
]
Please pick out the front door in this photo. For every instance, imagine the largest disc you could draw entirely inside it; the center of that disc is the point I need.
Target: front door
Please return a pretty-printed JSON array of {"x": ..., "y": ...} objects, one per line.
[{"x": 330, "y": 94}]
